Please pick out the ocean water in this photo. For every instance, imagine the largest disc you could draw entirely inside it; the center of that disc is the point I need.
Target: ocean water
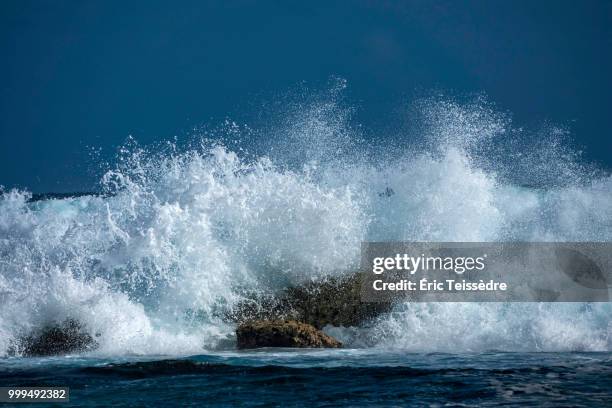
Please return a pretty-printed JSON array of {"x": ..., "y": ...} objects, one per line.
[
  {"x": 151, "y": 266},
  {"x": 277, "y": 377}
]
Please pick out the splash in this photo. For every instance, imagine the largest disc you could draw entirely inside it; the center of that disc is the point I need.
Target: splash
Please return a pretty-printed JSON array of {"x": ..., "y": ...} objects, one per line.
[{"x": 152, "y": 265}]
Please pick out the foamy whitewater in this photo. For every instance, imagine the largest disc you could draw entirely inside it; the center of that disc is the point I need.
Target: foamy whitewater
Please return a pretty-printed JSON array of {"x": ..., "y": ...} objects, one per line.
[{"x": 180, "y": 235}]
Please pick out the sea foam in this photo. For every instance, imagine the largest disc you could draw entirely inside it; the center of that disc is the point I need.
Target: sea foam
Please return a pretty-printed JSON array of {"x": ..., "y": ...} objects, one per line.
[{"x": 180, "y": 235}]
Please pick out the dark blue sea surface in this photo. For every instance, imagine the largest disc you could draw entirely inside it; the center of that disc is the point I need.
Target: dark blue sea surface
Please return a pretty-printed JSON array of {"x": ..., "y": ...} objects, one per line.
[{"x": 277, "y": 377}]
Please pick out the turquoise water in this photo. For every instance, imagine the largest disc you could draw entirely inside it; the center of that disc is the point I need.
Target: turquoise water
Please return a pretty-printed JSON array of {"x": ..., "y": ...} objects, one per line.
[{"x": 277, "y": 377}]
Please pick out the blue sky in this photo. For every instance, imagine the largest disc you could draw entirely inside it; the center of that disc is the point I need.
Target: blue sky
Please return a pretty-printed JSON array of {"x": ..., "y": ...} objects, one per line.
[{"x": 81, "y": 74}]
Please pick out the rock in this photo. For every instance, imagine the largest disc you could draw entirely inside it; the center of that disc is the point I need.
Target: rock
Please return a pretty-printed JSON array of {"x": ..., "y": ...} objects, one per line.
[
  {"x": 67, "y": 337},
  {"x": 279, "y": 333},
  {"x": 335, "y": 301}
]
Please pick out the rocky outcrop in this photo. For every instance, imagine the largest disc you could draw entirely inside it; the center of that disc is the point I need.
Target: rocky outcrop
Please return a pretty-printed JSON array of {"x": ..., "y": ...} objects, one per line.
[
  {"x": 303, "y": 310},
  {"x": 67, "y": 337},
  {"x": 335, "y": 301},
  {"x": 279, "y": 333}
]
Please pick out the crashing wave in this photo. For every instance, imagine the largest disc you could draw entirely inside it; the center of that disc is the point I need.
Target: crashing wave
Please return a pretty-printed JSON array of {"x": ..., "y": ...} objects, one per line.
[{"x": 153, "y": 265}]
